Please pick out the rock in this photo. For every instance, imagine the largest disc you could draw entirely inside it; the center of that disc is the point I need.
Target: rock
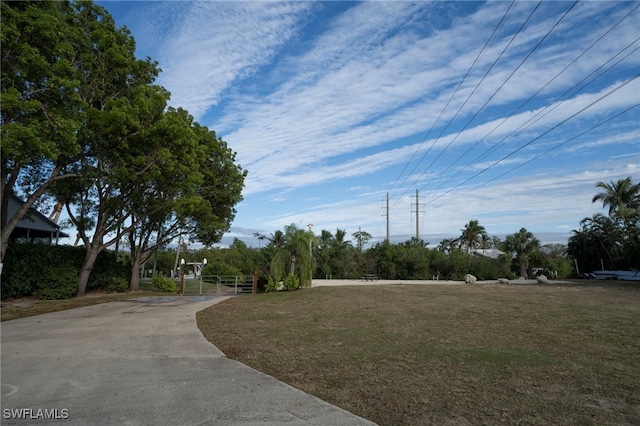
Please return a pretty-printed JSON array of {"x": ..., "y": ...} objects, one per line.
[
  {"x": 470, "y": 279},
  {"x": 503, "y": 281},
  {"x": 542, "y": 279}
]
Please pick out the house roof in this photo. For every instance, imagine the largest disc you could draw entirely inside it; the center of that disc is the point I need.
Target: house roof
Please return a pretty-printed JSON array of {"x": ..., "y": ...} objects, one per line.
[
  {"x": 492, "y": 253},
  {"x": 34, "y": 220}
]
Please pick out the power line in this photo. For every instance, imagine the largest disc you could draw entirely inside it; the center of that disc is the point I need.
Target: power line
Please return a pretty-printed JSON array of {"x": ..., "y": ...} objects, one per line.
[
  {"x": 448, "y": 102},
  {"x": 495, "y": 147},
  {"x": 499, "y": 88},
  {"x": 538, "y": 137},
  {"x": 577, "y": 88},
  {"x": 470, "y": 95},
  {"x": 545, "y": 111},
  {"x": 547, "y": 151}
]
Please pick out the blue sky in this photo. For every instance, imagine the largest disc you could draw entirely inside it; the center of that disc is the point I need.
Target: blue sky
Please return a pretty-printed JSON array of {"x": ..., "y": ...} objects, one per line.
[{"x": 508, "y": 113}]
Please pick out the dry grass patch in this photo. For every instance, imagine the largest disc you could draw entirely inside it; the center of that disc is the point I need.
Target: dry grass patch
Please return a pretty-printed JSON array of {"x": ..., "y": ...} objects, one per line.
[{"x": 415, "y": 355}]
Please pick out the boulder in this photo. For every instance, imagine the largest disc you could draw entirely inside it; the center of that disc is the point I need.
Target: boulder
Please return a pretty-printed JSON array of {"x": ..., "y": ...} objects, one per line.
[
  {"x": 503, "y": 281},
  {"x": 470, "y": 279},
  {"x": 542, "y": 279}
]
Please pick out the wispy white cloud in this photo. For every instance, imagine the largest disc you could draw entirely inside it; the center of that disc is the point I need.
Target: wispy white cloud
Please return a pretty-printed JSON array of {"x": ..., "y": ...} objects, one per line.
[
  {"x": 215, "y": 44},
  {"x": 315, "y": 94},
  {"x": 366, "y": 101}
]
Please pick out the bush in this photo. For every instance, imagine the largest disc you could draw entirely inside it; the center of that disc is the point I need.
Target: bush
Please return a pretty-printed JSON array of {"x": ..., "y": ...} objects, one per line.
[
  {"x": 52, "y": 272},
  {"x": 272, "y": 285},
  {"x": 59, "y": 283},
  {"x": 291, "y": 282},
  {"x": 117, "y": 284},
  {"x": 163, "y": 284}
]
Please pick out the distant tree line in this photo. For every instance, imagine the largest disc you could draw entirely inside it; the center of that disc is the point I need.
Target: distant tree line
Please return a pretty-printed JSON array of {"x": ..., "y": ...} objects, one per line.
[{"x": 610, "y": 241}]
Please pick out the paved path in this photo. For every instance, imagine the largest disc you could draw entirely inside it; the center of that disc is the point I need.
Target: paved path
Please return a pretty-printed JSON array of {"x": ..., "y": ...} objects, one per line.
[{"x": 141, "y": 362}]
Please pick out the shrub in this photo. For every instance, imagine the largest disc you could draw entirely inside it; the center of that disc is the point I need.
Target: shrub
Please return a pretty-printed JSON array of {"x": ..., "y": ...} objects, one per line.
[
  {"x": 49, "y": 271},
  {"x": 163, "y": 284},
  {"x": 272, "y": 285},
  {"x": 117, "y": 284},
  {"x": 291, "y": 282},
  {"x": 59, "y": 283}
]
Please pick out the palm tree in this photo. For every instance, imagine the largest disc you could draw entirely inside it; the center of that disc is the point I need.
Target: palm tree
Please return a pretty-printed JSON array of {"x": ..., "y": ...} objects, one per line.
[
  {"x": 605, "y": 236},
  {"x": 446, "y": 245},
  {"x": 326, "y": 239},
  {"x": 622, "y": 197},
  {"x": 340, "y": 236},
  {"x": 472, "y": 235},
  {"x": 485, "y": 242},
  {"x": 294, "y": 252},
  {"x": 277, "y": 239},
  {"x": 525, "y": 246}
]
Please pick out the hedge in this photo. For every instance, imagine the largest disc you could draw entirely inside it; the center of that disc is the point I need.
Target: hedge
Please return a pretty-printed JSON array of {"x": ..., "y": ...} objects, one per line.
[{"x": 51, "y": 272}]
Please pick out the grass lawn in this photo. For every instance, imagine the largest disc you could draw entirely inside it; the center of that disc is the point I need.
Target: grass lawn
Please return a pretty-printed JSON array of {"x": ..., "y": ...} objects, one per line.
[{"x": 447, "y": 355}]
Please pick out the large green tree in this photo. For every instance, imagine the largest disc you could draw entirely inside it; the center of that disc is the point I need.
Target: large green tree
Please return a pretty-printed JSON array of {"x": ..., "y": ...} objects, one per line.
[
  {"x": 171, "y": 205},
  {"x": 41, "y": 101},
  {"x": 83, "y": 121}
]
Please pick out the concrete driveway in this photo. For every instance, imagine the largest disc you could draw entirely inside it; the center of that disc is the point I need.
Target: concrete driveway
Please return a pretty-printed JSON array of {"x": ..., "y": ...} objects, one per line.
[{"x": 140, "y": 362}]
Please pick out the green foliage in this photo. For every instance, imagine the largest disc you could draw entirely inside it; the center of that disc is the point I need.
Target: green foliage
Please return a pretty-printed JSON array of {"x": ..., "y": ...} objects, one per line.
[
  {"x": 563, "y": 266},
  {"x": 272, "y": 285},
  {"x": 60, "y": 283},
  {"x": 614, "y": 240},
  {"x": 526, "y": 249},
  {"x": 472, "y": 236},
  {"x": 291, "y": 282},
  {"x": 163, "y": 284},
  {"x": 79, "y": 106},
  {"x": 116, "y": 284},
  {"x": 295, "y": 256},
  {"x": 485, "y": 268},
  {"x": 333, "y": 256},
  {"x": 51, "y": 272}
]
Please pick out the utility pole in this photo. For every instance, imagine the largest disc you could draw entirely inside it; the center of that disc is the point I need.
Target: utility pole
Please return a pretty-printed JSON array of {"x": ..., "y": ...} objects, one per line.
[
  {"x": 417, "y": 215},
  {"x": 387, "y": 217}
]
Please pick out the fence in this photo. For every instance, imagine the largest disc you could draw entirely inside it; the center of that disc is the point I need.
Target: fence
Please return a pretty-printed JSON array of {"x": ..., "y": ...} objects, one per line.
[{"x": 221, "y": 285}]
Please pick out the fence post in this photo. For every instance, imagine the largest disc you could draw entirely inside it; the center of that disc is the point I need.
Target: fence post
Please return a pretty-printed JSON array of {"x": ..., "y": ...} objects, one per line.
[
  {"x": 255, "y": 282},
  {"x": 236, "y": 292}
]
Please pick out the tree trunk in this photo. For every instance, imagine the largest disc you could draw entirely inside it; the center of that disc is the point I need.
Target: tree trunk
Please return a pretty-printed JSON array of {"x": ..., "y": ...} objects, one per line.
[
  {"x": 135, "y": 273},
  {"x": 292, "y": 266},
  {"x": 523, "y": 270},
  {"x": 85, "y": 270}
]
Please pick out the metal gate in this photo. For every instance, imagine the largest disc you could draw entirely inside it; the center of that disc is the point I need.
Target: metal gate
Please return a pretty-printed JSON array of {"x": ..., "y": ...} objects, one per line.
[{"x": 220, "y": 285}]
